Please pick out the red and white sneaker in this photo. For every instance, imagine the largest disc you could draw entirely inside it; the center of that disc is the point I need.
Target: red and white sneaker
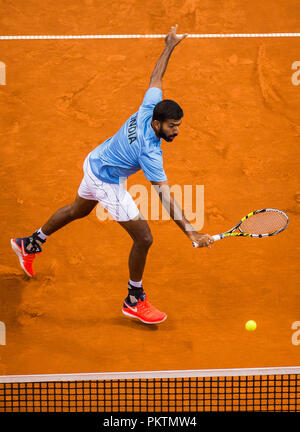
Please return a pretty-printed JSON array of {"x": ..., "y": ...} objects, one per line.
[
  {"x": 143, "y": 310},
  {"x": 26, "y": 249}
]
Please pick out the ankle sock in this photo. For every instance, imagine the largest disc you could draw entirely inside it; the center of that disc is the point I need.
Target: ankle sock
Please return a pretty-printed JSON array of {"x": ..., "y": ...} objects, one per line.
[
  {"x": 41, "y": 234},
  {"x": 135, "y": 284}
]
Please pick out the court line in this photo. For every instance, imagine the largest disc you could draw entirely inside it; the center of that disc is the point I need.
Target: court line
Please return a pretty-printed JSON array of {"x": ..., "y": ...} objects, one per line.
[
  {"x": 153, "y": 36},
  {"x": 151, "y": 374}
]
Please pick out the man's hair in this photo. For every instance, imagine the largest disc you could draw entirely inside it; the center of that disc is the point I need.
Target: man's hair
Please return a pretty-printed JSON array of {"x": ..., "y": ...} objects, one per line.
[{"x": 167, "y": 109}]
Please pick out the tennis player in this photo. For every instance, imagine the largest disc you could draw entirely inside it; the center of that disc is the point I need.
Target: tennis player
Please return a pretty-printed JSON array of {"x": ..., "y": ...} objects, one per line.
[{"x": 137, "y": 145}]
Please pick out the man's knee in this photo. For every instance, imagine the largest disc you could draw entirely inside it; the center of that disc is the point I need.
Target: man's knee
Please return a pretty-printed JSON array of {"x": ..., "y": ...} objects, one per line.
[{"x": 145, "y": 240}]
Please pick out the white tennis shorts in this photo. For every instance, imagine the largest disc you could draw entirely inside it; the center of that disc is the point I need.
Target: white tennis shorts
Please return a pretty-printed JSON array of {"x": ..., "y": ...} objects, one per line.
[{"x": 113, "y": 197}]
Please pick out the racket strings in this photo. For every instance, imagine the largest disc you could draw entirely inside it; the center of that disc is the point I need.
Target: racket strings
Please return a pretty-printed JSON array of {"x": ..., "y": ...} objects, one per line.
[{"x": 264, "y": 223}]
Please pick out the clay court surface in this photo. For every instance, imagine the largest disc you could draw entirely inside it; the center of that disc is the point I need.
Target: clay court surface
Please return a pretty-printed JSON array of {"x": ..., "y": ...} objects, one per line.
[{"x": 239, "y": 138}]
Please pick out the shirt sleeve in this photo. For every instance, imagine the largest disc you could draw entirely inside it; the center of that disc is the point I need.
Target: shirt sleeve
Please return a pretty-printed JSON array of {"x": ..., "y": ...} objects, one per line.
[
  {"x": 152, "y": 166},
  {"x": 152, "y": 96}
]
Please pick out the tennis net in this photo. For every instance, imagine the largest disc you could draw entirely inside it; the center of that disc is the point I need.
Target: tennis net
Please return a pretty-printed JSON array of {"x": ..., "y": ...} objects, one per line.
[{"x": 264, "y": 389}]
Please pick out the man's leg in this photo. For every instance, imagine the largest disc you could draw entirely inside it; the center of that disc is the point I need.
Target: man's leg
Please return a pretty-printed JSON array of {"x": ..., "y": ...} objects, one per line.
[
  {"x": 78, "y": 209},
  {"x": 136, "y": 305},
  {"x": 140, "y": 232},
  {"x": 26, "y": 248}
]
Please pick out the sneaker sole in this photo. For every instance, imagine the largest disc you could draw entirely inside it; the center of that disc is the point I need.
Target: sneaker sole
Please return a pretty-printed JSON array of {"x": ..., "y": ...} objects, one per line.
[
  {"x": 145, "y": 322},
  {"x": 17, "y": 251}
]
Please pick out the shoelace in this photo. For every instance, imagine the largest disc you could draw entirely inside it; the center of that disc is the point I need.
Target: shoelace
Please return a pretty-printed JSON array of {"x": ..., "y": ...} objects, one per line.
[
  {"x": 146, "y": 306},
  {"x": 143, "y": 304}
]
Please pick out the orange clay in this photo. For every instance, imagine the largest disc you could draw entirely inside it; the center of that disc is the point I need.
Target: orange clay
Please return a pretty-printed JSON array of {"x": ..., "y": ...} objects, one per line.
[{"x": 239, "y": 138}]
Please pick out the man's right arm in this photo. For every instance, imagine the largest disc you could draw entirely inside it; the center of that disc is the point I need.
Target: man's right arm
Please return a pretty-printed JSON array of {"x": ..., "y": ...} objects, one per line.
[{"x": 176, "y": 213}]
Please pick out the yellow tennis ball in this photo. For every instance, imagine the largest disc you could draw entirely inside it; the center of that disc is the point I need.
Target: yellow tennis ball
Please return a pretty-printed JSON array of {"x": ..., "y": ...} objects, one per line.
[{"x": 250, "y": 325}]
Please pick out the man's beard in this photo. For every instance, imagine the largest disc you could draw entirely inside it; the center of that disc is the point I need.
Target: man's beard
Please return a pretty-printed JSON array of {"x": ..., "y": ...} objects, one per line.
[{"x": 162, "y": 135}]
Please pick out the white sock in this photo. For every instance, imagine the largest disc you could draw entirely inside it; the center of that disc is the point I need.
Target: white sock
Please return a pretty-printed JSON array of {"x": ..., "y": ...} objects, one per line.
[
  {"x": 41, "y": 234},
  {"x": 136, "y": 284}
]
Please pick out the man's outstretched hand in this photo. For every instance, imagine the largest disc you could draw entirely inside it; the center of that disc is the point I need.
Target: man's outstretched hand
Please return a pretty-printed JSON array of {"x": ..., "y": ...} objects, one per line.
[
  {"x": 172, "y": 38},
  {"x": 203, "y": 240}
]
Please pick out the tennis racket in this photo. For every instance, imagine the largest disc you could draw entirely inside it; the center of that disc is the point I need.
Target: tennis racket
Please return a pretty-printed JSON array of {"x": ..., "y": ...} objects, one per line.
[{"x": 260, "y": 223}]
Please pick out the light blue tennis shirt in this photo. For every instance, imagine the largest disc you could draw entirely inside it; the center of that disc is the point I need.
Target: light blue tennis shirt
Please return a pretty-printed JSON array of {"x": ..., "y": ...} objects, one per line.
[{"x": 135, "y": 146}]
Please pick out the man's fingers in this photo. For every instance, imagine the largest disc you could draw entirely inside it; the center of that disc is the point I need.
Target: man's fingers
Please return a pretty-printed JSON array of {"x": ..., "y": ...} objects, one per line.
[
  {"x": 174, "y": 28},
  {"x": 176, "y": 38},
  {"x": 210, "y": 240},
  {"x": 206, "y": 240}
]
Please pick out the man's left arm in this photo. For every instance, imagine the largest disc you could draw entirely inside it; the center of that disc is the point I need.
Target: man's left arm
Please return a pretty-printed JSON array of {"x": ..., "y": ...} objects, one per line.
[
  {"x": 171, "y": 40},
  {"x": 176, "y": 213}
]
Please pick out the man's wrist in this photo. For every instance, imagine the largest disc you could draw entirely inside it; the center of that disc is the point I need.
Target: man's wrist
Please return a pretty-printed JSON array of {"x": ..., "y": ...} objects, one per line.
[
  {"x": 190, "y": 232},
  {"x": 192, "y": 236}
]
